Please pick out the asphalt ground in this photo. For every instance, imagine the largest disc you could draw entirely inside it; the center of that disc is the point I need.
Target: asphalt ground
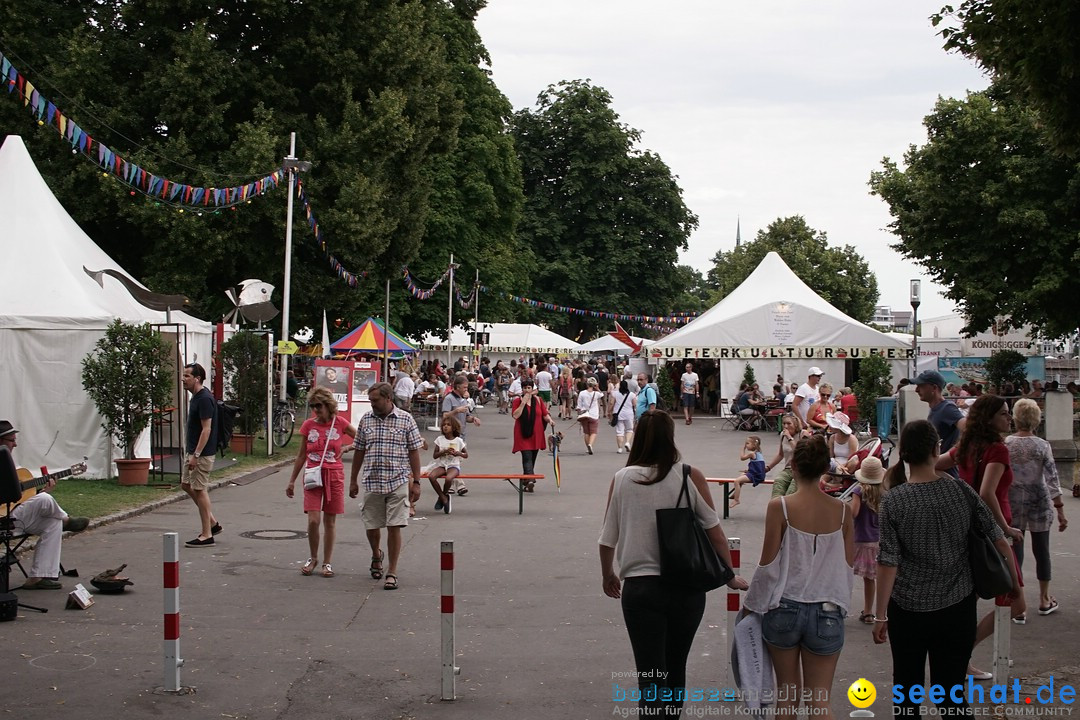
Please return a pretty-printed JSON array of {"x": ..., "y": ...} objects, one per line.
[{"x": 536, "y": 637}]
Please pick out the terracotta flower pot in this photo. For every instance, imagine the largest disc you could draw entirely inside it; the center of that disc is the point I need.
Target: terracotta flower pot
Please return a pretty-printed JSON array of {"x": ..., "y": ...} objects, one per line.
[
  {"x": 241, "y": 444},
  {"x": 133, "y": 472}
]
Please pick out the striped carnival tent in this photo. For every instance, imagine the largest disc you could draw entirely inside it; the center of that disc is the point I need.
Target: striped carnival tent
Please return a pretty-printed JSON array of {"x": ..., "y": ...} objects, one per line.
[{"x": 369, "y": 338}]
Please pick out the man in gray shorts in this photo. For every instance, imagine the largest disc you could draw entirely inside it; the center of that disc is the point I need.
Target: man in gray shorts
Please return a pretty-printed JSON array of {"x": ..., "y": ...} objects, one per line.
[{"x": 388, "y": 449}]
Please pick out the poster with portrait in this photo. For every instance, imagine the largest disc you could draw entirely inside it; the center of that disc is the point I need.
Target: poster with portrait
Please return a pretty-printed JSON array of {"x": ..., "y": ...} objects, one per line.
[
  {"x": 364, "y": 375},
  {"x": 336, "y": 376}
]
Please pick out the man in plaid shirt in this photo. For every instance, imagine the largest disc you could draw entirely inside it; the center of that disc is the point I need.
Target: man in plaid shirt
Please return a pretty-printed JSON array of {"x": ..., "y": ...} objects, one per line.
[{"x": 389, "y": 441}]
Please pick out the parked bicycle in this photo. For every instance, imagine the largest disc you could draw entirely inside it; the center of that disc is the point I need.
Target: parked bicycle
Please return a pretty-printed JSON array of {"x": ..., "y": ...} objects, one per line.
[{"x": 284, "y": 420}]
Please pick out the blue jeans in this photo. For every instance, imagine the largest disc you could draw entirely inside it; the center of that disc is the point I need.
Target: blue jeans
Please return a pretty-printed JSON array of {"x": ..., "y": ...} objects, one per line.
[{"x": 817, "y": 627}]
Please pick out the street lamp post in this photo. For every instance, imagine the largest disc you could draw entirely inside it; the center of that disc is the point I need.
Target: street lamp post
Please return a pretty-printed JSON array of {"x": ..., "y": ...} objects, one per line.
[
  {"x": 916, "y": 300},
  {"x": 292, "y": 166}
]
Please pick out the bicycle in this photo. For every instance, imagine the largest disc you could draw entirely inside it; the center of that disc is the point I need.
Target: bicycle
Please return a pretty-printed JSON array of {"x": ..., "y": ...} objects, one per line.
[{"x": 284, "y": 422}]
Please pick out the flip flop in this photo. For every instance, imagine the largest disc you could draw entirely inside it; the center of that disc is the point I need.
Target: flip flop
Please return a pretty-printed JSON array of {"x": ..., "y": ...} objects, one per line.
[
  {"x": 1050, "y": 608},
  {"x": 376, "y": 572},
  {"x": 391, "y": 582},
  {"x": 309, "y": 566},
  {"x": 327, "y": 571}
]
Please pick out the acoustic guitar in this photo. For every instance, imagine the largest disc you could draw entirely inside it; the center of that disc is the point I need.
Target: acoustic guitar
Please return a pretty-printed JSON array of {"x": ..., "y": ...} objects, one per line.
[{"x": 30, "y": 484}]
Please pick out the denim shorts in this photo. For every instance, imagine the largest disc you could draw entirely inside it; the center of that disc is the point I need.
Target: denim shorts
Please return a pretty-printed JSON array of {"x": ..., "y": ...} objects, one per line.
[{"x": 809, "y": 625}]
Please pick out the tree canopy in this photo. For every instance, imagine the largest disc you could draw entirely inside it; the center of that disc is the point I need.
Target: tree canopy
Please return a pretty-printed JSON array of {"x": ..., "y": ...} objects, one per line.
[
  {"x": 1032, "y": 46},
  {"x": 990, "y": 212},
  {"x": 603, "y": 219},
  {"x": 839, "y": 274},
  {"x": 406, "y": 132}
]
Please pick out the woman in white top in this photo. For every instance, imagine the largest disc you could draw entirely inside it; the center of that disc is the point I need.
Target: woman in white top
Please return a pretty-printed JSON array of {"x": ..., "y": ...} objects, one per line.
[
  {"x": 660, "y": 618},
  {"x": 588, "y": 407},
  {"x": 843, "y": 446},
  {"x": 622, "y": 412},
  {"x": 803, "y": 584}
]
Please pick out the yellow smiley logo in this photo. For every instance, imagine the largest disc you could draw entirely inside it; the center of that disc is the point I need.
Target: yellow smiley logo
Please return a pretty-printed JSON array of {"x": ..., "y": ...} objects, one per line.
[{"x": 862, "y": 693}]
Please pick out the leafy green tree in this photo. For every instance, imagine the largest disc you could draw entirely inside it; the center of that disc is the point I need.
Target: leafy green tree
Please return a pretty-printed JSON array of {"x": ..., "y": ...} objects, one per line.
[
  {"x": 990, "y": 212},
  {"x": 1006, "y": 366},
  {"x": 207, "y": 93},
  {"x": 1032, "y": 46},
  {"x": 874, "y": 381},
  {"x": 748, "y": 377},
  {"x": 840, "y": 275},
  {"x": 603, "y": 219},
  {"x": 477, "y": 197}
]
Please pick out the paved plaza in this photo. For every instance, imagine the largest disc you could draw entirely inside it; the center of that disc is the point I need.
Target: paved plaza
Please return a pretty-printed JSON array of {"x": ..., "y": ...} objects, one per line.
[{"x": 536, "y": 637}]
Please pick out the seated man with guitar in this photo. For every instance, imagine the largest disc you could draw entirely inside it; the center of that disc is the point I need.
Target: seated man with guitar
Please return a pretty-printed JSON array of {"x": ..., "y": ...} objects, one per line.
[{"x": 39, "y": 514}]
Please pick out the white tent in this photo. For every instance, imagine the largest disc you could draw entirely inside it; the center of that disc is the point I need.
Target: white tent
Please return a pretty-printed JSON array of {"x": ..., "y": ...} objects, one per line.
[
  {"x": 506, "y": 341},
  {"x": 51, "y": 315},
  {"x": 779, "y": 325}
]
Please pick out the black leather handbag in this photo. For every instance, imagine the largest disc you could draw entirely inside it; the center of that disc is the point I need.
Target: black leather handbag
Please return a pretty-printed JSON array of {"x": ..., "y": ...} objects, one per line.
[{"x": 687, "y": 558}]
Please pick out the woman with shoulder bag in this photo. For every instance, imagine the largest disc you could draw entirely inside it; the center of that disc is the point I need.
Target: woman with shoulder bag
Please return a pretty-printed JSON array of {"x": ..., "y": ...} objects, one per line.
[
  {"x": 588, "y": 407},
  {"x": 320, "y": 455},
  {"x": 926, "y": 602},
  {"x": 661, "y": 618},
  {"x": 622, "y": 415}
]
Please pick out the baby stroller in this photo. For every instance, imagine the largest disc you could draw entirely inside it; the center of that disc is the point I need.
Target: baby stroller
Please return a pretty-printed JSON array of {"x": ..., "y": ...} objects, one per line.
[{"x": 840, "y": 484}]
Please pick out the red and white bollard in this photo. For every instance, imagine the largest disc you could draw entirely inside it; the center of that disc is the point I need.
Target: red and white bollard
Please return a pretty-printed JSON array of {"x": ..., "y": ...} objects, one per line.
[
  {"x": 734, "y": 600},
  {"x": 171, "y": 577},
  {"x": 449, "y": 670}
]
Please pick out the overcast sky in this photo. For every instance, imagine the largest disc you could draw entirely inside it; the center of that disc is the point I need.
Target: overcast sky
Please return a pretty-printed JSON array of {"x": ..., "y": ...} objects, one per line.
[{"x": 762, "y": 109}]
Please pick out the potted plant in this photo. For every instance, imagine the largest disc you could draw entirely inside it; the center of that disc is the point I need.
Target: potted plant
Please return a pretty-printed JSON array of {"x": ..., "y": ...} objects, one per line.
[
  {"x": 875, "y": 380},
  {"x": 243, "y": 359},
  {"x": 126, "y": 375}
]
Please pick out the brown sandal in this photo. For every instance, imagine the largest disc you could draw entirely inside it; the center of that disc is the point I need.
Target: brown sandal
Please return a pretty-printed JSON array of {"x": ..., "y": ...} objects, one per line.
[
  {"x": 391, "y": 582},
  {"x": 309, "y": 566}
]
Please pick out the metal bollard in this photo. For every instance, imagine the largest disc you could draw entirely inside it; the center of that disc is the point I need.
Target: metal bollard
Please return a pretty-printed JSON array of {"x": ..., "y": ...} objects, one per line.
[
  {"x": 734, "y": 600},
  {"x": 171, "y": 577},
  {"x": 449, "y": 670}
]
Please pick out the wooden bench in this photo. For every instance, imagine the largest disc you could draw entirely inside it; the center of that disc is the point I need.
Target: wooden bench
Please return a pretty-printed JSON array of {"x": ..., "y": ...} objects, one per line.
[
  {"x": 730, "y": 481},
  {"x": 508, "y": 477}
]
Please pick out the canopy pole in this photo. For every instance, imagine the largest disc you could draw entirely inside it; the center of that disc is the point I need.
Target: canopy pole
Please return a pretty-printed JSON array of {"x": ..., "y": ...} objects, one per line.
[{"x": 386, "y": 336}]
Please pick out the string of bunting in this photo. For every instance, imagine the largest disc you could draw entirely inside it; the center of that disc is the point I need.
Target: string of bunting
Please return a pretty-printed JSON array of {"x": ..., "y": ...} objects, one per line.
[
  {"x": 672, "y": 319},
  {"x": 416, "y": 291},
  {"x": 351, "y": 279},
  {"x": 465, "y": 302},
  {"x": 111, "y": 163}
]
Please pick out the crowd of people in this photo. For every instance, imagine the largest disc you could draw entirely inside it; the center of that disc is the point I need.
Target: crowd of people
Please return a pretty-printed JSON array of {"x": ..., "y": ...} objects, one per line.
[{"x": 904, "y": 532}]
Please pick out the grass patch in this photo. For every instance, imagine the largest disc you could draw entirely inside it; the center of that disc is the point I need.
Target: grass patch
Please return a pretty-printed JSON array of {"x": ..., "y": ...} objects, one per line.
[{"x": 95, "y": 498}]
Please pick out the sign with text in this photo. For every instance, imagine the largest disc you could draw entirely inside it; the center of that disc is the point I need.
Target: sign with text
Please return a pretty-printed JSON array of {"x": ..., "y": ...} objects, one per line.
[{"x": 780, "y": 352}]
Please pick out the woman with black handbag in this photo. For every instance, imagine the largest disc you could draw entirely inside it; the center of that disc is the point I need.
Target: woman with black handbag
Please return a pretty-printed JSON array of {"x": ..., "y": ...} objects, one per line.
[
  {"x": 926, "y": 602},
  {"x": 661, "y": 617}
]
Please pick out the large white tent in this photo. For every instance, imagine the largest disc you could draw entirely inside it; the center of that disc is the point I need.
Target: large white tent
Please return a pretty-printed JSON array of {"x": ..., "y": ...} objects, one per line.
[
  {"x": 506, "y": 341},
  {"x": 779, "y": 325},
  {"x": 51, "y": 315}
]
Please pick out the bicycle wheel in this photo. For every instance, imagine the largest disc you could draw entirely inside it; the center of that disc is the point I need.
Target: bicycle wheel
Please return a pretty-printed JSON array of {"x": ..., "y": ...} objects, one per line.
[{"x": 283, "y": 427}]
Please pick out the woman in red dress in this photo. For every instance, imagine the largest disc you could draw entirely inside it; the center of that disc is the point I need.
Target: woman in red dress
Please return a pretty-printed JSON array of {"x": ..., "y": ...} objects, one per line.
[
  {"x": 982, "y": 459},
  {"x": 531, "y": 418}
]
